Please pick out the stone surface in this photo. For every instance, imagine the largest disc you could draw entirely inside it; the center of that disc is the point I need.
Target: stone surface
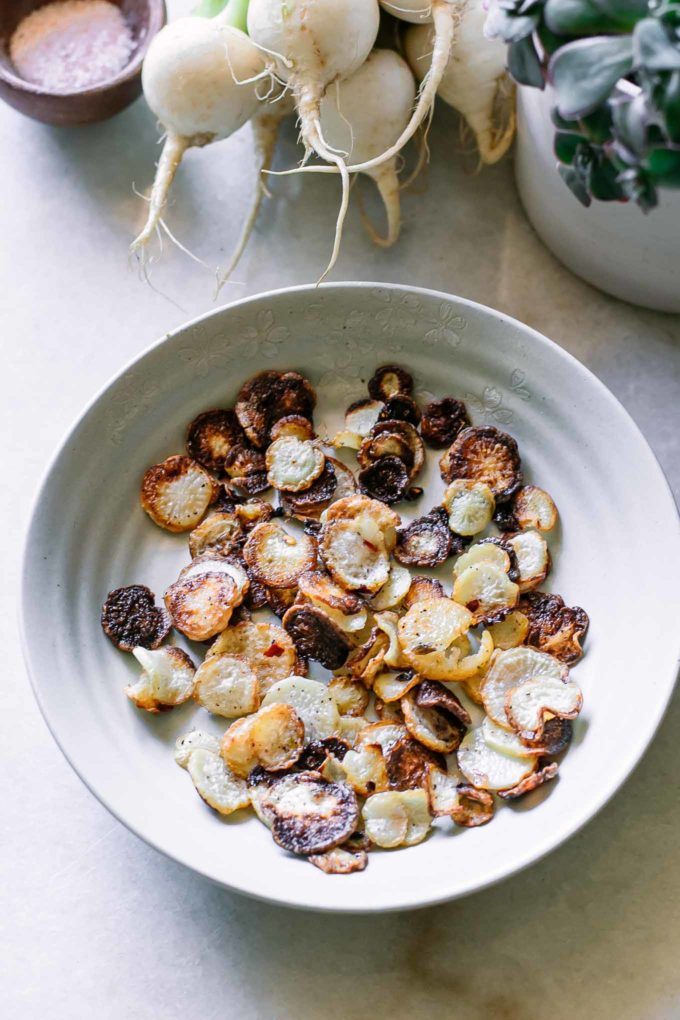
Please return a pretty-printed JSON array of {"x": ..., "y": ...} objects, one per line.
[{"x": 94, "y": 922}]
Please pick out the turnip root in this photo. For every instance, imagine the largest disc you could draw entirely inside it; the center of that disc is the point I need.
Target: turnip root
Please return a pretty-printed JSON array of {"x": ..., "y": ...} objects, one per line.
[
  {"x": 200, "y": 78},
  {"x": 265, "y": 125},
  {"x": 363, "y": 115},
  {"x": 474, "y": 79},
  {"x": 315, "y": 43},
  {"x": 444, "y": 15}
]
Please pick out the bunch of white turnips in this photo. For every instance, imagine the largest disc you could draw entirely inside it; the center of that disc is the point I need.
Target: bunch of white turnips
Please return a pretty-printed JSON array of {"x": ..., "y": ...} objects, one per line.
[{"x": 357, "y": 106}]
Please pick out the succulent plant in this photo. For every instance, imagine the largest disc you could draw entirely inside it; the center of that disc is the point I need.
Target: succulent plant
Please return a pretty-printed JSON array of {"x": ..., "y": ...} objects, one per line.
[{"x": 615, "y": 69}]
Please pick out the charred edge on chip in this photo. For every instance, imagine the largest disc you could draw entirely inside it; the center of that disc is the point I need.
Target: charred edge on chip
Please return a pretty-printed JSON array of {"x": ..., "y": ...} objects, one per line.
[
  {"x": 388, "y": 380},
  {"x": 543, "y": 775},
  {"x": 386, "y": 479},
  {"x": 442, "y": 421},
  {"x": 316, "y": 636},
  {"x": 485, "y": 454},
  {"x": 554, "y": 627},
  {"x": 425, "y": 542},
  {"x": 211, "y": 436},
  {"x": 130, "y": 617}
]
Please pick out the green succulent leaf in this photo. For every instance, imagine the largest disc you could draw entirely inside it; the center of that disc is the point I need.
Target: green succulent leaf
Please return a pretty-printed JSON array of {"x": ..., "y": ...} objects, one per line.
[
  {"x": 565, "y": 146},
  {"x": 604, "y": 183},
  {"x": 593, "y": 17},
  {"x": 637, "y": 187},
  {"x": 524, "y": 63},
  {"x": 663, "y": 166},
  {"x": 503, "y": 23},
  {"x": 574, "y": 181},
  {"x": 584, "y": 72},
  {"x": 655, "y": 46},
  {"x": 669, "y": 102}
]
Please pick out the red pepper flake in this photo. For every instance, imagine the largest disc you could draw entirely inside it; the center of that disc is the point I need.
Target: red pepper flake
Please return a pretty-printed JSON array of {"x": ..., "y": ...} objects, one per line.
[
  {"x": 370, "y": 545},
  {"x": 274, "y": 649}
]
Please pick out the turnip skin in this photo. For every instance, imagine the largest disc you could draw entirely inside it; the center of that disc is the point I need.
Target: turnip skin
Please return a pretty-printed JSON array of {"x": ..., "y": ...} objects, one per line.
[
  {"x": 364, "y": 114},
  {"x": 198, "y": 81},
  {"x": 473, "y": 77}
]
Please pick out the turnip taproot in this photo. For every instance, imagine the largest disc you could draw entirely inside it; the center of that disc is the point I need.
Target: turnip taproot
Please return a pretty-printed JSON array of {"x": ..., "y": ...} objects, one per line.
[
  {"x": 351, "y": 122},
  {"x": 474, "y": 81},
  {"x": 315, "y": 43},
  {"x": 199, "y": 78}
]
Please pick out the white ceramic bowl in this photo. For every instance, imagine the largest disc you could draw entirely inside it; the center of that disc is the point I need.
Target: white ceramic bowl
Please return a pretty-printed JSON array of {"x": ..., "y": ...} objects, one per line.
[{"x": 616, "y": 554}]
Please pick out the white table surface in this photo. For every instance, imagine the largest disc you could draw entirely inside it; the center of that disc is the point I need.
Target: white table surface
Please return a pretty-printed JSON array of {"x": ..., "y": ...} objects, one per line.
[{"x": 93, "y": 923}]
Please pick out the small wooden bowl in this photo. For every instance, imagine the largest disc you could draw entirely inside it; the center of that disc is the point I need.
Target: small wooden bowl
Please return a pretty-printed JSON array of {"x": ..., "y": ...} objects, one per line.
[{"x": 145, "y": 18}]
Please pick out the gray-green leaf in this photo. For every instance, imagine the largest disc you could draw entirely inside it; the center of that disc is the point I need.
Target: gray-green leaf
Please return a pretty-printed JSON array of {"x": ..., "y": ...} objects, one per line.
[{"x": 584, "y": 72}]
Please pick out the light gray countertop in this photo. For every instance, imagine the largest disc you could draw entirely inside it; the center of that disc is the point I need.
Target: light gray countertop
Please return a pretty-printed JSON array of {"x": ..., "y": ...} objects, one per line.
[{"x": 96, "y": 924}]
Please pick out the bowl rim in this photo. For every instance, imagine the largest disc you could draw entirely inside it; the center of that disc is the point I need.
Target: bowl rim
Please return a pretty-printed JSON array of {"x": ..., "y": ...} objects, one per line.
[
  {"x": 157, "y": 19},
  {"x": 405, "y": 902}
]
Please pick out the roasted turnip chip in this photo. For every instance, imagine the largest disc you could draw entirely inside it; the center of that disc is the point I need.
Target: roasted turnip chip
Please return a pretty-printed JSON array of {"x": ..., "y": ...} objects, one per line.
[
  {"x": 388, "y": 711},
  {"x": 553, "y": 627},
  {"x": 189, "y": 742},
  {"x": 243, "y": 461},
  {"x": 470, "y": 505},
  {"x": 365, "y": 770},
  {"x": 308, "y": 503},
  {"x": 316, "y": 636},
  {"x": 488, "y": 769},
  {"x": 507, "y": 741},
  {"x": 227, "y": 685},
  {"x": 423, "y": 588},
  {"x": 385, "y": 734},
  {"x": 385, "y": 820},
  {"x": 555, "y": 739},
  {"x": 542, "y": 775},
  {"x": 340, "y": 861},
  {"x": 386, "y": 479},
  {"x": 176, "y": 493},
  {"x": 511, "y": 668},
  {"x": 393, "y": 439},
  {"x": 247, "y": 485},
  {"x": 254, "y": 512},
  {"x": 470, "y": 663},
  {"x": 534, "y": 508},
  {"x": 237, "y": 748},
  {"x": 270, "y": 396},
  {"x": 210, "y": 563},
  {"x": 292, "y": 425},
  {"x": 201, "y": 606},
  {"x": 215, "y": 783},
  {"x": 471, "y": 687},
  {"x": 360, "y": 418},
  {"x": 425, "y": 542},
  {"x": 350, "y": 695},
  {"x": 435, "y": 728},
  {"x": 131, "y": 618},
  {"x": 510, "y": 632},
  {"x": 394, "y": 590},
  {"x": 167, "y": 678},
  {"x": 319, "y": 588},
  {"x": 307, "y": 814},
  {"x": 346, "y": 484},
  {"x": 427, "y": 634},
  {"x": 267, "y": 647},
  {"x": 351, "y": 727},
  {"x": 277, "y": 558},
  {"x": 350, "y": 508},
  {"x": 397, "y": 818},
  {"x": 367, "y": 660},
  {"x": 278, "y": 735},
  {"x": 355, "y": 554},
  {"x": 393, "y": 686},
  {"x": 211, "y": 436},
  {"x": 312, "y": 701},
  {"x": 442, "y": 421},
  {"x": 483, "y": 552},
  {"x": 280, "y": 600},
  {"x": 528, "y": 704},
  {"x": 388, "y": 380},
  {"x": 464, "y": 804},
  {"x": 315, "y": 754},
  {"x": 220, "y": 533},
  {"x": 293, "y": 464},
  {"x": 401, "y": 407},
  {"x": 533, "y": 558},
  {"x": 487, "y": 591},
  {"x": 408, "y": 763},
  {"x": 433, "y": 694},
  {"x": 484, "y": 454}
]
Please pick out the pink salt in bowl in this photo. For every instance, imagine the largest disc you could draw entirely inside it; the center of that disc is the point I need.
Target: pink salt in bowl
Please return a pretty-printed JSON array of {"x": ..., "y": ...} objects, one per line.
[{"x": 85, "y": 104}]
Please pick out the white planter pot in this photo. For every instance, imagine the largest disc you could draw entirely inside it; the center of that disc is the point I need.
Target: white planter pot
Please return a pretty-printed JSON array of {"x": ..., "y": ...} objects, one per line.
[{"x": 612, "y": 245}]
